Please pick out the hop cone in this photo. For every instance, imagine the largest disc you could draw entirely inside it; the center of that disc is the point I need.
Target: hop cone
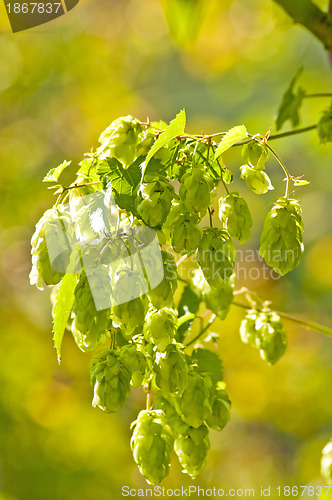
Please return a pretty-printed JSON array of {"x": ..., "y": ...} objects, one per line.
[
  {"x": 162, "y": 295},
  {"x": 219, "y": 299},
  {"x": 257, "y": 180},
  {"x": 171, "y": 371},
  {"x": 326, "y": 463},
  {"x": 220, "y": 409},
  {"x": 152, "y": 443},
  {"x": 120, "y": 138},
  {"x": 110, "y": 379},
  {"x": 191, "y": 447},
  {"x": 324, "y": 126},
  {"x": 216, "y": 256},
  {"x": 264, "y": 331},
  {"x": 281, "y": 239},
  {"x": 173, "y": 418},
  {"x": 195, "y": 190},
  {"x": 146, "y": 140},
  {"x": 130, "y": 303},
  {"x": 186, "y": 234},
  {"x": 136, "y": 363},
  {"x": 235, "y": 216},
  {"x": 89, "y": 326},
  {"x": 194, "y": 405},
  {"x": 255, "y": 155},
  {"x": 160, "y": 328},
  {"x": 155, "y": 200},
  {"x": 43, "y": 271}
]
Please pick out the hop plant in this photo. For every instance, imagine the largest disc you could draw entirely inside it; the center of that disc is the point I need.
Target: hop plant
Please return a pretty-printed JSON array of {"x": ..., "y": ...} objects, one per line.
[
  {"x": 281, "y": 239},
  {"x": 130, "y": 303},
  {"x": 110, "y": 379},
  {"x": 191, "y": 448},
  {"x": 171, "y": 371},
  {"x": 160, "y": 328},
  {"x": 90, "y": 325},
  {"x": 257, "y": 180},
  {"x": 155, "y": 200},
  {"x": 219, "y": 300},
  {"x": 324, "y": 126},
  {"x": 221, "y": 405},
  {"x": 163, "y": 294},
  {"x": 136, "y": 363},
  {"x": 264, "y": 331},
  {"x": 49, "y": 234},
  {"x": 235, "y": 216},
  {"x": 326, "y": 463},
  {"x": 216, "y": 256},
  {"x": 195, "y": 190},
  {"x": 152, "y": 443},
  {"x": 194, "y": 406},
  {"x": 120, "y": 138}
]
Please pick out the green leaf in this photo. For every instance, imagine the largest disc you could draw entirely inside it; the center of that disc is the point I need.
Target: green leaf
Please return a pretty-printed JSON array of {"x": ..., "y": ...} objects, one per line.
[
  {"x": 301, "y": 182},
  {"x": 64, "y": 300},
  {"x": 124, "y": 182},
  {"x": 54, "y": 174},
  {"x": 175, "y": 128},
  {"x": 231, "y": 137},
  {"x": 209, "y": 362},
  {"x": 291, "y": 103},
  {"x": 189, "y": 302}
]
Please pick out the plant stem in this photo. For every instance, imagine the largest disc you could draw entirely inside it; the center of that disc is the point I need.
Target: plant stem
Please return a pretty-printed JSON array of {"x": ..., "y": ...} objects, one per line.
[
  {"x": 307, "y": 324},
  {"x": 210, "y": 215},
  {"x": 292, "y": 132},
  {"x": 288, "y": 176},
  {"x": 203, "y": 330}
]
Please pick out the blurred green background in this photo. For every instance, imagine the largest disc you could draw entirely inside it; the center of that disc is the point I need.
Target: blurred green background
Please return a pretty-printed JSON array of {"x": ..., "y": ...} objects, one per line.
[{"x": 61, "y": 84}]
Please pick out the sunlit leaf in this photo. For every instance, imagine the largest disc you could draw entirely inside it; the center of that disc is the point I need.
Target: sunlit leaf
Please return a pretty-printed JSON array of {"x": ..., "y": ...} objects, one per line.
[
  {"x": 209, "y": 362},
  {"x": 54, "y": 174},
  {"x": 231, "y": 137},
  {"x": 64, "y": 300},
  {"x": 175, "y": 128}
]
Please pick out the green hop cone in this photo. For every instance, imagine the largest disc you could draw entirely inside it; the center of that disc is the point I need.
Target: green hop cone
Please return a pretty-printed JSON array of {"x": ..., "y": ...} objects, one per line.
[
  {"x": 173, "y": 418},
  {"x": 120, "y": 138},
  {"x": 49, "y": 235},
  {"x": 324, "y": 126},
  {"x": 136, "y": 363},
  {"x": 160, "y": 328},
  {"x": 264, "y": 331},
  {"x": 90, "y": 325},
  {"x": 130, "y": 303},
  {"x": 185, "y": 234},
  {"x": 255, "y": 155},
  {"x": 195, "y": 190},
  {"x": 219, "y": 300},
  {"x": 221, "y": 405},
  {"x": 145, "y": 142},
  {"x": 171, "y": 371},
  {"x": 257, "y": 180},
  {"x": 191, "y": 448},
  {"x": 235, "y": 216},
  {"x": 281, "y": 239},
  {"x": 162, "y": 295},
  {"x": 110, "y": 379},
  {"x": 216, "y": 256},
  {"x": 194, "y": 405},
  {"x": 152, "y": 443},
  {"x": 155, "y": 200},
  {"x": 326, "y": 463}
]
